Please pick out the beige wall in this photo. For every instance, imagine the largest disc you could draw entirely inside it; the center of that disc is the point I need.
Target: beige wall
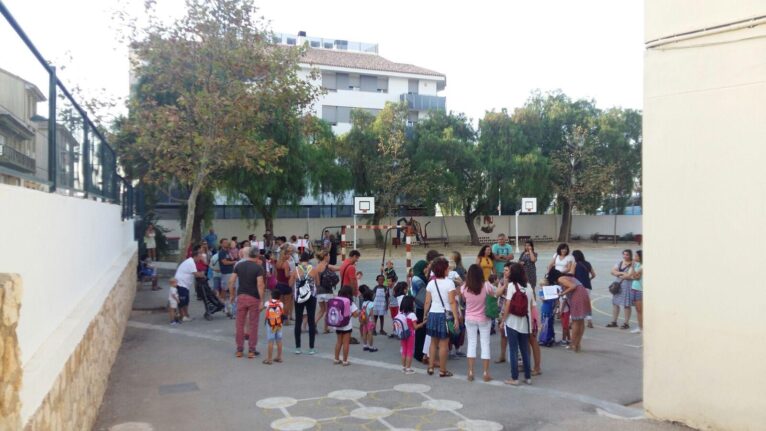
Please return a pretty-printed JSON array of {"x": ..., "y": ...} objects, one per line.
[
  {"x": 537, "y": 226},
  {"x": 704, "y": 207}
]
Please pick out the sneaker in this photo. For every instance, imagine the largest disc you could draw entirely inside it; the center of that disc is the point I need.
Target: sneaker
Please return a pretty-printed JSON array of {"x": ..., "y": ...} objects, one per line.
[
  {"x": 366, "y": 349},
  {"x": 297, "y": 351},
  {"x": 382, "y": 332},
  {"x": 409, "y": 371},
  {"x": 528, "y": 381},
  {"x": 312, "y": 352},
  {"x": 636, "y": 331},
  {"x": 173, "y": 323},
  {"x": 186, "y": 319},
  {"x": 460, "y": 354},
  {"x": 372, "y": 349}
]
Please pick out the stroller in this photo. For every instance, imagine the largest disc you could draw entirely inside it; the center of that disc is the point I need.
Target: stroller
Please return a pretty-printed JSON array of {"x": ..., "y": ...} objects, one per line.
[
  {"x": 547, "y": 335},
  {"x": 209, "y": 299}
]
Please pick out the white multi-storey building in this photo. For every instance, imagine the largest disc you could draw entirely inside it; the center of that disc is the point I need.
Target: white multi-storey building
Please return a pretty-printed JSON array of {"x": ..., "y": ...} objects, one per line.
[{"x": 356, "y": 77}]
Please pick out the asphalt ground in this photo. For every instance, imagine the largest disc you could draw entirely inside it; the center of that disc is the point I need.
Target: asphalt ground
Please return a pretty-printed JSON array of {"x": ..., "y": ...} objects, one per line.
[{"x": 186, "y": 377}]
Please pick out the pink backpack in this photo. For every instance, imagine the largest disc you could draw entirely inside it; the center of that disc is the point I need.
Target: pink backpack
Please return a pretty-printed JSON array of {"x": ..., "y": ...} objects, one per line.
[{"x": 338, "y": 312}]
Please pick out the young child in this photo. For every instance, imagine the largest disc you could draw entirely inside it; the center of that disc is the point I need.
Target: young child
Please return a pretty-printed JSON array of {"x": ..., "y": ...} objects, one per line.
[
  {"x": 564, "y": 322},
  {"x": 390, "y": 274},
  {"x": 396, "y": 294},
  {"x": 380, "y": 304},
  {"x": 344, "y": 333},
  {"x": 407, "y": 313},
  {"x": 173, "y": 302},
  {"x": 275, "y": 310},
  {"x": 366, "y": 318}
]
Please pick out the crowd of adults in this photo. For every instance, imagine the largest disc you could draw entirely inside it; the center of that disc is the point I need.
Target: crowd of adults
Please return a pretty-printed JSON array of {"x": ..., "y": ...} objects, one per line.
[{"x": 453, "y": 305}]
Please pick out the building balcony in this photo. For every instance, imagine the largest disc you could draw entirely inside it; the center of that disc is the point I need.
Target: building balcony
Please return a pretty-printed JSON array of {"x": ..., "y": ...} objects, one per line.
[
  {"x": 419, "y": 102},
  {"x": 14, "y": 159}
]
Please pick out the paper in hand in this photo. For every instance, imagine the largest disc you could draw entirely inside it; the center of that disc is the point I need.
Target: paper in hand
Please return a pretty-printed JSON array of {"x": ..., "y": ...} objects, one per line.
[{"x": 551, "y": 292}]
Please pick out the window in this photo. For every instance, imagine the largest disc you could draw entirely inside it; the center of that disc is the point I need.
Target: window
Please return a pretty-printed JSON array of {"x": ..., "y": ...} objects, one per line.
[
  {"x": 382, "y": 84},
  {"x": 291, "y": 41},
  {"x": 344, "y": 114},
  {"x": 353, "y": 82},
  {"x": 412, "y": 86},
  {"x": 341, "y": 44},
  {"x": 330, "y": 114},
  {"x": 329, "y": 81},
  {"x": 369, "y": 83},
  {"x": 341, "y": 81},
  {"x": 314, "y": 44},
  {"x": 328, "y": 45},
  {"x": 412, "y": 117}
]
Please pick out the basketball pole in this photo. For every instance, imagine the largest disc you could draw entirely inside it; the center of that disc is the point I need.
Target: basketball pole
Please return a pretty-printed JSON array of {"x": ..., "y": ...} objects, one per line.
[
  {"x": 517, "y": 231},
  {"x": 354, "y": 228}
]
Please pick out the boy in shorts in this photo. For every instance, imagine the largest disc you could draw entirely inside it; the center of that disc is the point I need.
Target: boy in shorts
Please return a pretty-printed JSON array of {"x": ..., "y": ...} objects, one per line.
[
  {"x": 274, "y": 317},
  {"x": 173, "y": 302}
]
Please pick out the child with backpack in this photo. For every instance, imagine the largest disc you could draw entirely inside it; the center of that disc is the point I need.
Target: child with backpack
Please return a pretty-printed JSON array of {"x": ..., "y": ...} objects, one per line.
[
  {"x": 274, "y": 317},
  {"x": 380, "y": 304},
  {"x": 339, "y": 312},
  {"x": 405, "y": 325},
  {"x": 564, "y": 322},
  {"x": 367, "y": 318}
]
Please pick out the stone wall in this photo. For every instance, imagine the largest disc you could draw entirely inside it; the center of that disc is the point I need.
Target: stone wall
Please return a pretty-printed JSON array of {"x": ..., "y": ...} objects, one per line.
[
  {"x": 73, "y": 401},
  {"x": 10, "y": 356}
]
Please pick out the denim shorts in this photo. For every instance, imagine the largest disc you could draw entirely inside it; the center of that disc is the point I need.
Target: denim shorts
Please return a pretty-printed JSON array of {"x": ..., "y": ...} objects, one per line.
[
  {"x": 183, "y": 296},
  {"x": 274, "y": 335}
]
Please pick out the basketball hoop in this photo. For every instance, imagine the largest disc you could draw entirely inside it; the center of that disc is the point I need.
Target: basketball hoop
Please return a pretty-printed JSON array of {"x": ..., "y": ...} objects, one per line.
[{"x": 363, "y": 210}]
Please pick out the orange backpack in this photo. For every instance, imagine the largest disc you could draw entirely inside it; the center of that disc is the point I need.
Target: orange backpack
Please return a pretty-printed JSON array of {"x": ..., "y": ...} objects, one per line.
[{"x": 274, "y": 315}]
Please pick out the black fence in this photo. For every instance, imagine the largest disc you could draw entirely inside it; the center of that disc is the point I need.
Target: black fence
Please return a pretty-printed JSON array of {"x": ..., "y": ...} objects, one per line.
[{"x": 80, "y": 162}]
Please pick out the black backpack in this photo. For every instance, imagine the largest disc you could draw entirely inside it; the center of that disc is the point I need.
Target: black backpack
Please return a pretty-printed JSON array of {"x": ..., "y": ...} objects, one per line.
[{"x": 328, "y": 280}]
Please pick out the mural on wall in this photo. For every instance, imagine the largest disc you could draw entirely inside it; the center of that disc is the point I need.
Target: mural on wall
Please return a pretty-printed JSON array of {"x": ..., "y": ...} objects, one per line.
[{"x": 487, "y": 224}]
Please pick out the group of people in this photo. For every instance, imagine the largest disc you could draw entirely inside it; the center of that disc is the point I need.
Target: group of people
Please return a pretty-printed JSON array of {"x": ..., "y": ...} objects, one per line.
[{"x": 439, "y": 306}]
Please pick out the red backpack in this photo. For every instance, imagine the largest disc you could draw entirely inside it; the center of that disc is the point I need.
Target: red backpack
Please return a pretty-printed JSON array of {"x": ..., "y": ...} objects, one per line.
[{"x": 519, "y": 305}]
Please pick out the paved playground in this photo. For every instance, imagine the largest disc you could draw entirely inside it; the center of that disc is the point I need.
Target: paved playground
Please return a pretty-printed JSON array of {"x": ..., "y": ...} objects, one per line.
[{"x": 187, "y": 378}]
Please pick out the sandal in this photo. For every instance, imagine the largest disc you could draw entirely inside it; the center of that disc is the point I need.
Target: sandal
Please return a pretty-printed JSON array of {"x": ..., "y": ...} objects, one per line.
[
  {"x": 537, "y": 373},
  {"x": 445, "y": 374},
  {"x": 625, "y": 326},
  {"x": 346, "y": 363},
  {"x": 336, "y": 362},
  {"x": 278, "y": 360},
  {"x": 487, "y": 377},
  {"x": 470, "y": 377},
  {"x": 611, "y": 325},
  {"x": 512, "y": 382},
  {"x": 590, "y": 324},
  {"x": 326, "y": 331},
  {"x": 500, "y": 361},
  {"x": 430, "y": 371},
  {"x": 266, "y": 362}
]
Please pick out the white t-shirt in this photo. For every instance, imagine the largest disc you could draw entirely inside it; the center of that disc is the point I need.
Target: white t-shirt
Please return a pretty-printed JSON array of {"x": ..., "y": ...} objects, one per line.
[
  {"x": 399, "y": 300},
  {"x": 517, "y": 323},
  {"x": 173, "y": 297},
  {"x": 348, "y": 327},
  {"x": 185, "y": 273},
  {"x": 445, "y": 287},
  {"x": 562, "y": 264}
]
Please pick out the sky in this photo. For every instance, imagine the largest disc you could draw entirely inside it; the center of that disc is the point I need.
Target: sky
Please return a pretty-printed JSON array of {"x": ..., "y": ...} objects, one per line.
[{"x": 494, "y": 53}]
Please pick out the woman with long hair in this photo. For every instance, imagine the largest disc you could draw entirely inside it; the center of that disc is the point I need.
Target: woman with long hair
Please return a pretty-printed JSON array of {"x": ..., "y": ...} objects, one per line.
[
  {"x": 518, "y": 322},
  {"x": 440, "y": 307},
  {"x": 486, "y": 261},
  {"x": 475, "y": 291},
  {"x": 637, "y": 290},
  {"x": 585, "y": 273}
]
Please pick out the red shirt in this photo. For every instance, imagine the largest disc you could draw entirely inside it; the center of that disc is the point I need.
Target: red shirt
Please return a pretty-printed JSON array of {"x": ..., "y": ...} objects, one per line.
[
  {"x": 348, "y": 275},
  {"x": 201, "y": 266}
]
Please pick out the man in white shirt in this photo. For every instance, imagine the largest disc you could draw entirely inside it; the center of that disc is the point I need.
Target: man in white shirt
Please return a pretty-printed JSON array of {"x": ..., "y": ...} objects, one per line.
[{"x": 186, "y": 275}]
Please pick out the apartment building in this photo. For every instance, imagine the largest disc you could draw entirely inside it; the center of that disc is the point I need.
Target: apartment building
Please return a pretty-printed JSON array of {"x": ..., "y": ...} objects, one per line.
[
  {"x": 18, "y": 134},
  {"x": 356, "y": 77}
]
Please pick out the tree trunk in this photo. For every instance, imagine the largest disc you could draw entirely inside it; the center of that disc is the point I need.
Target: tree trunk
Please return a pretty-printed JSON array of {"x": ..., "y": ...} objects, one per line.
[
  {"x": 191, "y": 206},
  {"x": 199, "y": 215},
  {"x": 379, "y": 240},
  {"x": 268, "y": 222},
  {"x": 566, "y": 220},
  {"x": 469, "y": 217}
]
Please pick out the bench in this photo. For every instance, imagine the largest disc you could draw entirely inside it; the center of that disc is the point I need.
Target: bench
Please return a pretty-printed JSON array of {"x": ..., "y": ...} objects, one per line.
[{"x": 598, "y": 237}]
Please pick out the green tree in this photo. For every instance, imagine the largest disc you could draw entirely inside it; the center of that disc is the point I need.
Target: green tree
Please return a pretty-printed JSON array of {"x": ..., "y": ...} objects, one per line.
[
  {"x": 200, "y": 102},
  {"x": 619, "y": 143},
  {"x": 374, "y": 152}
]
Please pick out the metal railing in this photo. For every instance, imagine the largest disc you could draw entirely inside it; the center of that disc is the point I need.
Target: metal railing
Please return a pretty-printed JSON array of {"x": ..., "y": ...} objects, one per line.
[
  {"x": 421, "y": 102},
  {"x": 80, "y": 161}
]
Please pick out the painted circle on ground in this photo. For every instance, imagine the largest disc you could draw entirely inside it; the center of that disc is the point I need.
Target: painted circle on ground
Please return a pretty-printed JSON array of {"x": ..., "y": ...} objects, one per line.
[
  {"x": 479, "y": 425},
  {"x": 347, "y": 394},
  {"x": 371, "y": 413},
  {"x": 296, "y": 423},
  {"x": 132, "y": 426},
  {"x": 413, "y": 388},
  {"x": 276, "y": 402},
  {"x": 442, "y": 405}
]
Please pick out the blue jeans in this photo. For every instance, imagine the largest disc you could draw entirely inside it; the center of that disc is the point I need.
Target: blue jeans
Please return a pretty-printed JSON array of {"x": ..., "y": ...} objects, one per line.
[{"x": 518, "y": 341}]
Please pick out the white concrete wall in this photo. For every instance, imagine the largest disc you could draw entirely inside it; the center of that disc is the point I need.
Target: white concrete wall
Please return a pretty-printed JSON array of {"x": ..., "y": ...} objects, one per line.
[
  {"x": 69, "y": 253},
  {"x": 537, "y": 226},
  {"x": 705, "y": 205},
  {"x": 427, "y": 87}
]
